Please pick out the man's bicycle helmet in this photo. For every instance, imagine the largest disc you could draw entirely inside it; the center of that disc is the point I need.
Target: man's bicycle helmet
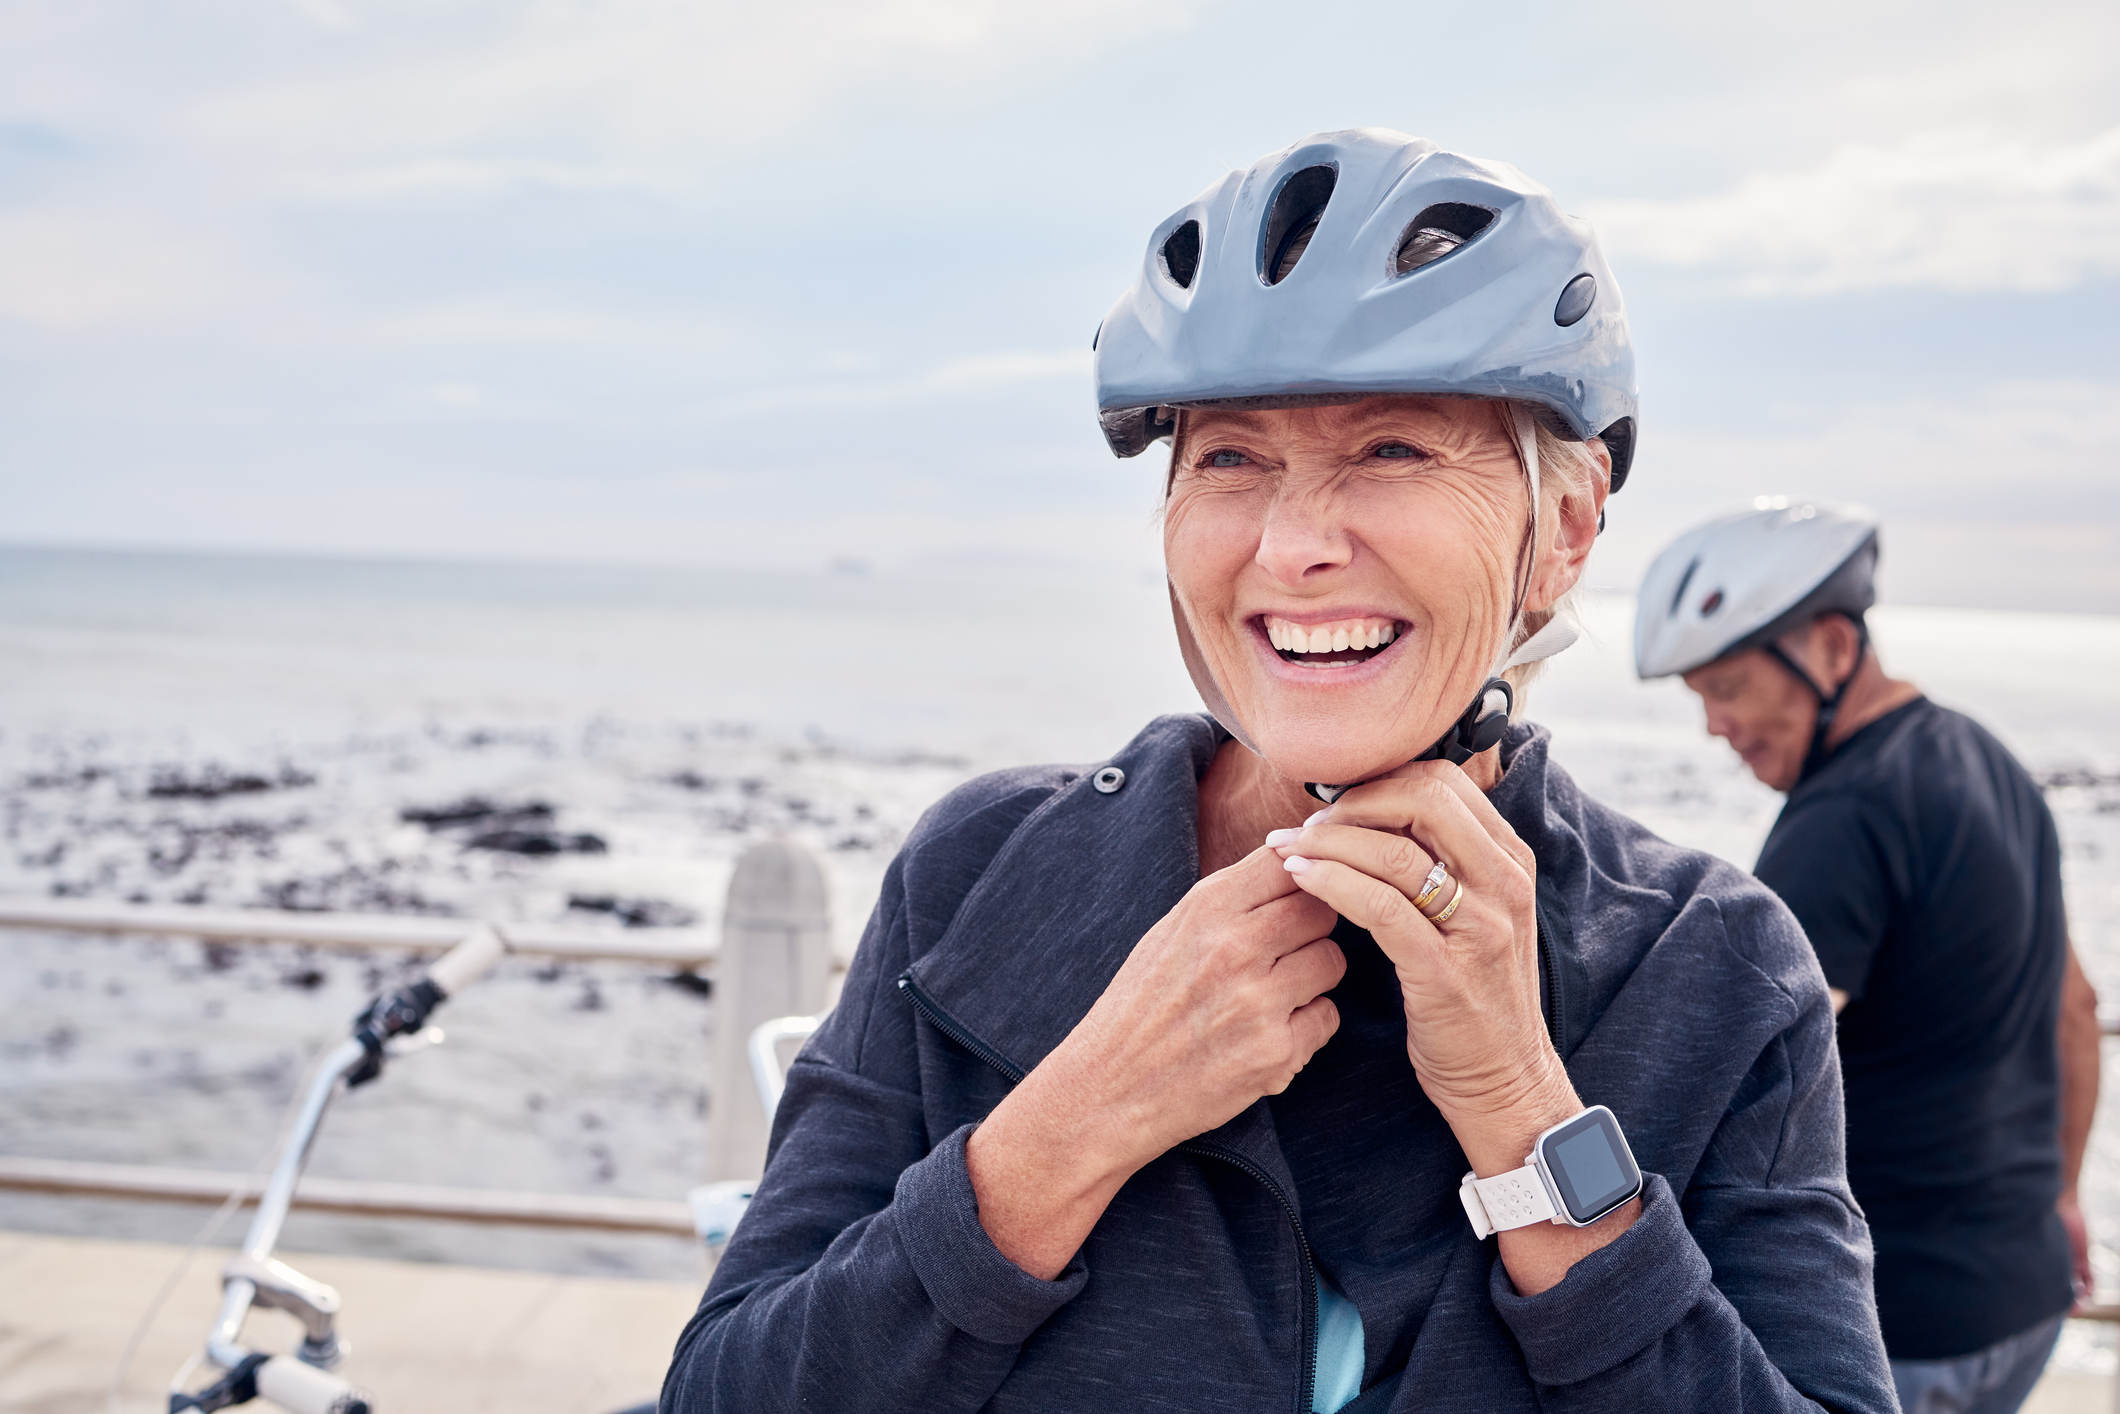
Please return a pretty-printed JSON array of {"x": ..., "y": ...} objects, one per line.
[
  {"x": 1745, "y": 580},
  {"x": 1741, "y": 581}
]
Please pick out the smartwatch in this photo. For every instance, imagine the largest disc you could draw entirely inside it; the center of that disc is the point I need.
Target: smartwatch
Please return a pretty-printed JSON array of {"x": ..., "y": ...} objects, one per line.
[{"x": 1578, "y": 1171}]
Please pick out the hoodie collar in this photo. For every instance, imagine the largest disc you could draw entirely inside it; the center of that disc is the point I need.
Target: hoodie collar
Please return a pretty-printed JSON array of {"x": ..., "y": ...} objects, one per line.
[{"x": 1060, "y": 907}]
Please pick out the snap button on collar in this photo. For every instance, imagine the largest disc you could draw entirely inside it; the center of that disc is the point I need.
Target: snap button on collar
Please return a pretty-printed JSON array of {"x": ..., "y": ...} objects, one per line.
[{"x": 1108, "y": 780}]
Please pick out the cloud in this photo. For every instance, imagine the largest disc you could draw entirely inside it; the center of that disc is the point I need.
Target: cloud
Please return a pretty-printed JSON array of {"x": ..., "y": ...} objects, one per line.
[
  {"x": 502, "y": 323},
  {"x": 72, "y": 270},
  {"x": 1960, "y": 210},
  {"x": 996, "y": 368},
  {"x": 650, "y": 93},
  {"x": 454, "y": 176},
  {"x": 2018, "y": 451},
  {"x": 956, "y": 378}
]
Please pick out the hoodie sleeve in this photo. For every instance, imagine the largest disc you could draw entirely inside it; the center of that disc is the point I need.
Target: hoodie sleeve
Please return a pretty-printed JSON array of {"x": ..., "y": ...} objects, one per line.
[
  {"x": 1752, "y": 1289},
  {"x": 860, "y": 1278}
]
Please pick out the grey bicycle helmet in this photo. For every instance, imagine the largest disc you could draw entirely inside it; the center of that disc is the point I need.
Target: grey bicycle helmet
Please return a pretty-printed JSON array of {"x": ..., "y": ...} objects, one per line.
[
  {"x": 1364, "y": 262},
  {"x": 1745, "y": 580}
]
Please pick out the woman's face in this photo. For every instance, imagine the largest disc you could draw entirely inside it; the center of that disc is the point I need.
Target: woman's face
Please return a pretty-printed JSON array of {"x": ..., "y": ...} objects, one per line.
[{"x": 1348, "y": 571}]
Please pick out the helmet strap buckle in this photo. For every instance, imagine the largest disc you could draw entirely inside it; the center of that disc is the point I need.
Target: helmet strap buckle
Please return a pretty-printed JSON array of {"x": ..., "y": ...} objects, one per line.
[{"x": 1481, "y": 728}]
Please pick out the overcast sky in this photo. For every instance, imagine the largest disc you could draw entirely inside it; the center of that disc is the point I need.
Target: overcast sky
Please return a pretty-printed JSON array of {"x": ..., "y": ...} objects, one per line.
[{"x": 664, "y": 279}]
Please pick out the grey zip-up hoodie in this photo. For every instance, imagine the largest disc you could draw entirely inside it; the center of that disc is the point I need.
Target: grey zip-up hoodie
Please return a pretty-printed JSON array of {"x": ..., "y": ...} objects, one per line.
[{"x": 1679, "y": 991}]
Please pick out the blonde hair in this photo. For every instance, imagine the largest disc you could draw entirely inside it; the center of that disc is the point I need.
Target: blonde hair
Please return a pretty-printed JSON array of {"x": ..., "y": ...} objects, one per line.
[{"x": 1567, "y": 471}]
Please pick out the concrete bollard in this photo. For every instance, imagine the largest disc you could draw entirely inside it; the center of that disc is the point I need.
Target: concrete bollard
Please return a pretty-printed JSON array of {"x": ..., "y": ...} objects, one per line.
[{"x": 775, "y": 960}]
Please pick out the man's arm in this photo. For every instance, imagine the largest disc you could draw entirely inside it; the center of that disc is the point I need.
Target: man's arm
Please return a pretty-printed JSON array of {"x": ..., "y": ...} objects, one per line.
[{"x": 2077, "y": 1034}]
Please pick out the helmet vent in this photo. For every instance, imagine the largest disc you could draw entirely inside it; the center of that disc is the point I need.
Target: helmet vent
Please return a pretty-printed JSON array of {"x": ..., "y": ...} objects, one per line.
[
  {"x": 1438, "y": 231},
  {"x": 1293, "y": 220},
  {"x": 1181, "y": 255},
  {"x": 1678, "y": 595}
]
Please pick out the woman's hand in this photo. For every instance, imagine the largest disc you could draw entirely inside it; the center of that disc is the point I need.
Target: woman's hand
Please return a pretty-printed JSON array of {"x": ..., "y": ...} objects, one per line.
[
  {"x": 1473, "y": 1025},
  {"x": 1220, "y": 1003},
  {"x": 1474, "y": 1029}
]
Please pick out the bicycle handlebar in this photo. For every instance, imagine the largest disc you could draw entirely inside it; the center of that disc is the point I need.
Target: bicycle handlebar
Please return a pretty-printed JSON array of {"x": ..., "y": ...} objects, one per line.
[
  {"x": 469, "y": 960},
  {"x": 304, "y": 1389},
  {"x": 405, "y": 1009}
]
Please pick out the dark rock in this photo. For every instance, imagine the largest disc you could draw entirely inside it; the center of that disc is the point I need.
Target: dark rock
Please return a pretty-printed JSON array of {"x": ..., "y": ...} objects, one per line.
[
  {"x": 214, "y": 782},
  {"x": 635, "y": 912},
  {"x": 474, "y": 810},
  {"x": 691, "y": 982},
  {"x": 514, "y": 841},
  {"x": 2078, "y": 778}
]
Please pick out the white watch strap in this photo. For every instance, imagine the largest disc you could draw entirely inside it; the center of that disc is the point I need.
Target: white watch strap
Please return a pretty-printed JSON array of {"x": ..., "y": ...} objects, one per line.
[{"x": 1507, "y": 1200}]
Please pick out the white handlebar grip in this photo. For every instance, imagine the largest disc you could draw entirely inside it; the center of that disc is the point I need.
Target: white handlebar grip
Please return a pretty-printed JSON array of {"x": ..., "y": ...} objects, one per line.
[
  {"x": 304, "y": 1389},
  {"x": 469, "y": 960}
]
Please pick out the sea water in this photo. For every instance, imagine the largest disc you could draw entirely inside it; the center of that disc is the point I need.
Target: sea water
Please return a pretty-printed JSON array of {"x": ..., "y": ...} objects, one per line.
[{"x": 293, "y": 733}]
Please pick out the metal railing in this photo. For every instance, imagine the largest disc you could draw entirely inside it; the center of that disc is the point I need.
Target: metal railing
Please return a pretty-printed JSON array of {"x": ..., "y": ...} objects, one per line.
[
  {"x": 357, "y": 1197},
  {"x": 688, "y": 948}
]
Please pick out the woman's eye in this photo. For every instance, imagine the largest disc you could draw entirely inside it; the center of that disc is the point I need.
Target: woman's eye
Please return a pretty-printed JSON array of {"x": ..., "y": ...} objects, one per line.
[
  {"x": 1396, "y": 450},
  {"x": 1225, "y": 459}
]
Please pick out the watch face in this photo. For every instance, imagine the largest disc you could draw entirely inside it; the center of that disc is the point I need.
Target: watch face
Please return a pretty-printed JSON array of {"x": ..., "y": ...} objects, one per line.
[{"x": 1590, "y": 1164}]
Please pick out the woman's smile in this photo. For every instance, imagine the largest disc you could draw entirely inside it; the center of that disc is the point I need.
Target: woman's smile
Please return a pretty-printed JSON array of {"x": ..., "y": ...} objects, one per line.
[{"x": 1335, "y": 644}]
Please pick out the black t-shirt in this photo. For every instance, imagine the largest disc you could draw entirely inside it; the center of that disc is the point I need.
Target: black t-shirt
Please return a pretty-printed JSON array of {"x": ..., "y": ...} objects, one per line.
[{"x": 1924, "y": 865}]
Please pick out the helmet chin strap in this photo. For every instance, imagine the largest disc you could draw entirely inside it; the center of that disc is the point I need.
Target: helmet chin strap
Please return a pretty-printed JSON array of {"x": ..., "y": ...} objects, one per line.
[
  {"x": 1828, "y": 703},
  {"x": 1484, "y": 723}
]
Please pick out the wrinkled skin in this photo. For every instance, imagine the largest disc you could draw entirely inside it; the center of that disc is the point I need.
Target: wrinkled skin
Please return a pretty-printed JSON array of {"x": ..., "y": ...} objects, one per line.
[
  {"x": 1411, "y": 509},
  {"x": 1407, "y": 509},
  {"x": 1766, "y": 715}
]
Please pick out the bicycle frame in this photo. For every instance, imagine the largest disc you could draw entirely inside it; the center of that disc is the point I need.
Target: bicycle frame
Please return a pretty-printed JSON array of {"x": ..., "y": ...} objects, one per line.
[
  {"x": 253, "y": 1278},
  {"x": 303, "y": 1383}
]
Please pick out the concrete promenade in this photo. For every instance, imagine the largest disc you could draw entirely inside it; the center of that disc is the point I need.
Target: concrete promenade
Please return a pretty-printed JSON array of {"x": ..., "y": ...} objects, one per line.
[{"x": 427, "y": 1339}]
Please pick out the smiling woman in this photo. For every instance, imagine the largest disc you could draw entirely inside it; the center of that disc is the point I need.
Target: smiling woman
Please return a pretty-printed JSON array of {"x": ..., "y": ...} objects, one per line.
[
  {"x": 1376, "y": 536},
  {"x": 1153, "y": 1087}
]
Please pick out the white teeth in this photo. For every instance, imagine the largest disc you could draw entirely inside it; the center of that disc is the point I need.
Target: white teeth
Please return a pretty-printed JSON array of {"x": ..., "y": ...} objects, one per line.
[{"x": 1330, "y": 638}]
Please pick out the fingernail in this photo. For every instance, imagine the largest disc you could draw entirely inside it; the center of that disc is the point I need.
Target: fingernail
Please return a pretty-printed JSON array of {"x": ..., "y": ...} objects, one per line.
[
  {"x": 1320, "y": 817},
  {"x": 1296, "y": 864},
  {"x": 1281, "y": 837}
]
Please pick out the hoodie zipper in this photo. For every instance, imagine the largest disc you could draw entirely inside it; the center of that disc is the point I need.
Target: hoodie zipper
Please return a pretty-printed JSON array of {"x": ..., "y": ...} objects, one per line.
[
  {"x": 958, "y": 1032},
  {"x": 1306, "y": 1385},
  {"x": 1549, "y": 969},
  {"x": 951, "y": 1027}
]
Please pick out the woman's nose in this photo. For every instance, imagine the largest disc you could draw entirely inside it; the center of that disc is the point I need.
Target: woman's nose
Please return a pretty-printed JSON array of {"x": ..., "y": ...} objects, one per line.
[{"x": 1302, "y": 538}]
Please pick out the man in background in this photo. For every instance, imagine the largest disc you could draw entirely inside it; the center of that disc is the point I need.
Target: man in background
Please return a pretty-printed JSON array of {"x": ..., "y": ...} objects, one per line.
[{"x": 1923, "y": 863}]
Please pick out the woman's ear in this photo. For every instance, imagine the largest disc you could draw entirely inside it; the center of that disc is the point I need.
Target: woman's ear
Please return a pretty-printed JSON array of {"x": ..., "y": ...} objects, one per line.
[{"x": 1572, "y": 532}]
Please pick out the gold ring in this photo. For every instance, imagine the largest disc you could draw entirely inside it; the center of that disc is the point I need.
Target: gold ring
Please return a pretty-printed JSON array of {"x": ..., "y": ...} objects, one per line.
[
  {"x": 1455, "y": 899},
  {"x": 1431, "y": 886}
]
